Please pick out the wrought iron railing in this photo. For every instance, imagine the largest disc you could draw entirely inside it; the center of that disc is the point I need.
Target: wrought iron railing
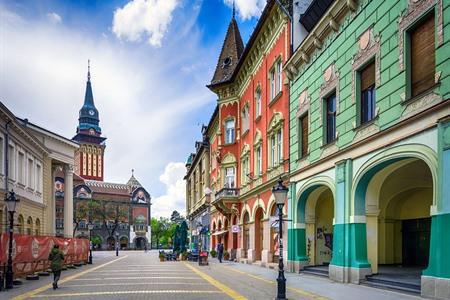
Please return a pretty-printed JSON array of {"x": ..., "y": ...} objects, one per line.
[{"x": 227, "y": 193}]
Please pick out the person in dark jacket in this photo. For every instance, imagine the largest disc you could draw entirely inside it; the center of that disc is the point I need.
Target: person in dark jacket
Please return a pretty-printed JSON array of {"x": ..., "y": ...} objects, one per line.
[
  {"x": 56, "y": 259},
  {"x": 220, "y": 252}
]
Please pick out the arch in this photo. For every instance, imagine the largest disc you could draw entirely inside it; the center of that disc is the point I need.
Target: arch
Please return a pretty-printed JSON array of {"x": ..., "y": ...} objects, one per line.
[
  {"x": 271, "y": 205},
  {"x": 256, "y": 205},
  {"x": 20, "y": 223},
  {"x": 275, "y": 121},
  {"x": 245, "y": 150},
  {"x": 258, "y": 137},
  {"x": 303, "y": 194},
  {"x": 30, "y": 225},
  {"x": 37, "y": 230},
  {"x": 246, "y": 209},
  {"x": 229, "y": 158},
  {"x": 384, "y": 159}
]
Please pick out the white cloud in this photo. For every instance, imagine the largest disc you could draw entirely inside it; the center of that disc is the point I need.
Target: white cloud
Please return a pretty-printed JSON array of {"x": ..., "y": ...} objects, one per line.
[
  {"x": 139, "y": 18},
  {"x": 148, "y": 108},
  {"x": 247, "y": 9},
  {"x": 54, "y": 18},
  {"x": 175, "y": 196}
]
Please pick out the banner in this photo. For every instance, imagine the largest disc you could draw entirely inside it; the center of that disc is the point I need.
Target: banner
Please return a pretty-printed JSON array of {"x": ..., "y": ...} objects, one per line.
[{"x": 30, "y": 253}]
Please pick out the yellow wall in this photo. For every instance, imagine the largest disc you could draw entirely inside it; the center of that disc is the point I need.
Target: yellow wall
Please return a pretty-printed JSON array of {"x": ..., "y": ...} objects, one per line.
[{"x": 324, "y": 221}]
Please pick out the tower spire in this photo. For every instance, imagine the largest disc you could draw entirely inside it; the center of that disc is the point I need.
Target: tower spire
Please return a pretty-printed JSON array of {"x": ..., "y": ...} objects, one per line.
[
  {"x": 234, "y": 9},
  {"x": 89, "y": 70}
]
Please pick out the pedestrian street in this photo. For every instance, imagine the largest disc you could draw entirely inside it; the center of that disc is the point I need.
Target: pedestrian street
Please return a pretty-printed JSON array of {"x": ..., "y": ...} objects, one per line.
[{"x": 140, "y": 275}]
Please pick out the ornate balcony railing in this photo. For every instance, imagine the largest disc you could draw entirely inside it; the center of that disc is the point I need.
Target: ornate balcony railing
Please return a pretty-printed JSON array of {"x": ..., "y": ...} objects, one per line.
[{"x": 227, "y": 193}]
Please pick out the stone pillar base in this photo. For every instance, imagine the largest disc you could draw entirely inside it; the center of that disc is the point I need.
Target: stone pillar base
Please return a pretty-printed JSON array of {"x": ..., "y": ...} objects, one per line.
[
  {"x": 347, "y": 274},
  {"x": 251, "y": 255},
  {"x": 296, "y": 266},
  {"x": 435, "y": 287},
  {"x": 266, "y": 257}
]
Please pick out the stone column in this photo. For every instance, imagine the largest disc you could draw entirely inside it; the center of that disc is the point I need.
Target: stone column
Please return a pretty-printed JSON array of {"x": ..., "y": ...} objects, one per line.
[
  {"x": 68, "y": 201},
  {"x": 266, "y": 254},
  {"x": 52, "y": 203}
]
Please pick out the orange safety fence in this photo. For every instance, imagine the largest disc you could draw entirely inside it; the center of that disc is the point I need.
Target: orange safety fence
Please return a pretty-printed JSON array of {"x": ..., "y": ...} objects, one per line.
[{"x": 30, "y": 253}]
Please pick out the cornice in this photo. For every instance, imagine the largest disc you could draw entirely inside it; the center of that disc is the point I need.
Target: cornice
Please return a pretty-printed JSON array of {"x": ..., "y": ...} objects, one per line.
[{"x": 313, "y": 42}]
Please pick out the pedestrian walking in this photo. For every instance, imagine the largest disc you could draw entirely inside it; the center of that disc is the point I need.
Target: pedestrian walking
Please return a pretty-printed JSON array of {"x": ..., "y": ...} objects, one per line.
[
  {"x": 145, "y": 248},
  {"x": 220, "y": 252},
  {"x": 56, "y": 259}
]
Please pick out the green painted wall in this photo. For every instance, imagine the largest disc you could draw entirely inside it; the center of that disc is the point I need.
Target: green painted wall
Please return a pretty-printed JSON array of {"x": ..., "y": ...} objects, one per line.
[{"x": 340, "y": 48}]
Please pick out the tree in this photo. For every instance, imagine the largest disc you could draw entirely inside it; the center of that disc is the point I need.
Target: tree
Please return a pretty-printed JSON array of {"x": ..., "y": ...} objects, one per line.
[
  {"x": 183, "y": 236},
  {"x": 85, "y": 210},
  {"x": 112, "y": 212}
]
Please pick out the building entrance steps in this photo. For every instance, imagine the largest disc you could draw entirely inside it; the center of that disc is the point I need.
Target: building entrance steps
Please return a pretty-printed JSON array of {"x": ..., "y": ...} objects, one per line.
[
  {"x": 397, "y": 277},
  {"x": 316, "y": 270}
]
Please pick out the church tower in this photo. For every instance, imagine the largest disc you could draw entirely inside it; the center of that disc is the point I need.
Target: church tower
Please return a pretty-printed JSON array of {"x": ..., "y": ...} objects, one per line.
[{"x": 89, "y": 163}]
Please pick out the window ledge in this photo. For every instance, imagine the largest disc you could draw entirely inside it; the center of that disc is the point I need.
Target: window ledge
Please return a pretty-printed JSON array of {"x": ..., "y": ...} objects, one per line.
[
  {"x": 367, "y": 124},
  {"x": 275, "y": 99},
  {"x": 258, "y": 118},
  {"x": 304, "y": 157},
  {"x": 229, "y": 144},
  {"x": 332, "y": 143},
  {"x": 421, "y": 95},
  {"x": 245, "y": 133}
]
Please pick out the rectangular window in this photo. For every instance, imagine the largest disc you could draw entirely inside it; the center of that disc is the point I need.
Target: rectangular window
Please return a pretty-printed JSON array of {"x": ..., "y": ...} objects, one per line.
[
  {"x": 279, "y": 146},
  {"x": 279, "y": 76},
  {"x": 1, "y": 156},
  {"x": 229, "y": 178},
  {"x": 229, "y": 131},
  {"x": 245, "y": 119},
  {"x": 21, "y": 168},
  {"x": 11, "y": 162},
  {"x": 30, "y": 182},
  {"x": 258, "y": 103},
  {"x": 422, "y": 56},
  {"x": 367, "y": 82},
  {"x": 330, "y": 114},
  {"x": 273, "y": 150},
  {"x": 303, "y": 135},
  {"x": 272, "y": 84},
  {"x": 258, "y": 161},
  {"x": 38, "y": 178}
]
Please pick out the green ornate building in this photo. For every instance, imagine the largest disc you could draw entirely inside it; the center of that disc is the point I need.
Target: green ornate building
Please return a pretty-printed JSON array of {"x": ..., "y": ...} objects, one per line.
[{"x": 370, "y": 142}]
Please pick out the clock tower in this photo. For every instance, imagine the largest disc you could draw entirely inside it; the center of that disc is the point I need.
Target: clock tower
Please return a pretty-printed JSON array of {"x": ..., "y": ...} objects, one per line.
[{"x": 89, "y": 157}]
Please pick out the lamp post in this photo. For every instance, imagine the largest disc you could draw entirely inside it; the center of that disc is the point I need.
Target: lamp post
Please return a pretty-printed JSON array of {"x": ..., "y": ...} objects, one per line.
[
  {"x": 11, "y": 204},
  {"x": 90, "y": 227},
  {"x": 280, "y": 192},
  {"x": 117, "y": 243}
]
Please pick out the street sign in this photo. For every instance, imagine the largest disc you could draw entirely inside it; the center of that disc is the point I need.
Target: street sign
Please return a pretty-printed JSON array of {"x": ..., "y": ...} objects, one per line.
[{"x": 235, "y": 228}]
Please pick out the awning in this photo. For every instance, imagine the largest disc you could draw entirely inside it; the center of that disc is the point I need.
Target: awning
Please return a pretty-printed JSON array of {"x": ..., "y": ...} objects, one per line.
[{"x": 220, "y": 232}]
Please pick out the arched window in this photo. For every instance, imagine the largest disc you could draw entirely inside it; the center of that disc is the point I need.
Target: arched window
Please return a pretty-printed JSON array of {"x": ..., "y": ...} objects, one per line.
[
  {"x": 30, "y": 226},
  {"x": 37, "y": 229},
  {"x": 20, "y": 224}
]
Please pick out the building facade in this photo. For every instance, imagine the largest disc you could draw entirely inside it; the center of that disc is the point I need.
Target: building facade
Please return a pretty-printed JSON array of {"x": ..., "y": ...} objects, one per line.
[
  {"x": 369, "y": 141},
  {"x": 34, "y": 154},
  {"x": 120, "y": 213},
  {"x": 249, "y": 141}
]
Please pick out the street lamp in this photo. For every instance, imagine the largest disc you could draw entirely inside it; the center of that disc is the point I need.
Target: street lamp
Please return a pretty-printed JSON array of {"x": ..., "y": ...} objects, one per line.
[
  {"x": 11, "y": 205},
  {"x": 90, "y": 227},
  {"x": 117, "y": 243},
  {"x": 279, "y": 191}
]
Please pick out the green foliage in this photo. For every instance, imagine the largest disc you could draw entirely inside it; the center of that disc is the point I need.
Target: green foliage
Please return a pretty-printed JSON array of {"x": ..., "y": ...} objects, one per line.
[
  {"x": 96, "y": 240},
  {"x": 163, "y": 231},
  {"x": 213, "y": 253}
]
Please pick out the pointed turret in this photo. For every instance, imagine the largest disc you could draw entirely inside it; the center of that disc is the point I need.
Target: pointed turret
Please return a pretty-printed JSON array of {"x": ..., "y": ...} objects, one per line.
[
  {"x": 88, "y": 119},
  {"x": 133, "y": 183},
  {"x": 232, "y": 49}
]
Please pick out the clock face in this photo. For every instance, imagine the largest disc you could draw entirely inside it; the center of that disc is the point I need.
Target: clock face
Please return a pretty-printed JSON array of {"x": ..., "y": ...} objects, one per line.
[{"x": 91, "y": 112}]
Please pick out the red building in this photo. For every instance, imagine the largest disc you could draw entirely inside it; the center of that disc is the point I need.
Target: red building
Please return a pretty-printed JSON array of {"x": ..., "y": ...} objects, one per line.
[{"x": 249, "y": 141}]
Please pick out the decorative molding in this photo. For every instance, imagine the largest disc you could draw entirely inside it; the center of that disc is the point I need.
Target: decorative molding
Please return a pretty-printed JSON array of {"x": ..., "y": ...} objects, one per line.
[
  {"x": 329, "y": 149},
  {"x": 415, "y": 10},
  {"x": 304, "y": 103},
  {"x": 331, "y": 82},
  {"x": 365, "y": 131},
  {"x": 368, "y": 48},
  {"x": 417, "y": 105}
]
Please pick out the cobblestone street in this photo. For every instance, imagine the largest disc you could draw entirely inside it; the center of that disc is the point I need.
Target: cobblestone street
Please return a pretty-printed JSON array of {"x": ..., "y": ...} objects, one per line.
[{"x": 139, "y": 275}]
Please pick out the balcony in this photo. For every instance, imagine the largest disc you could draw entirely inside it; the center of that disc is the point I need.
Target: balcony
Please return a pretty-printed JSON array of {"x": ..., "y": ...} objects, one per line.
[{"x": 227, "y": 193}]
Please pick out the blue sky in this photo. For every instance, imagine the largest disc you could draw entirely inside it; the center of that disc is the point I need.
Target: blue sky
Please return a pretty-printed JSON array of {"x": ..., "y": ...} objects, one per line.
[{"x": 150, "y": 62}]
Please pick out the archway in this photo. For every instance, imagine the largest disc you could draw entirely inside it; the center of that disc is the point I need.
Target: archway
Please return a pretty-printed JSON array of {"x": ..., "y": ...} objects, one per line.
[
  {"x": 20, "y": 224},
  {"x": 225, "y": 235},
  {"x": 30, "y": 226},
  {"x": 219, "y": 236},
  {"x": 245, "y": 234},
  {"x": 110, "y": 243},
  {"x": 140, "y": 243},
  {"x": 123, "y": 242},
  {"x": 213, "y": 237},
  {"x": 274, "y": 230},
  {"x": 259, "y": 232},
  {"x": 37, "y": 230},
  {"x": 398, "y": 198}
]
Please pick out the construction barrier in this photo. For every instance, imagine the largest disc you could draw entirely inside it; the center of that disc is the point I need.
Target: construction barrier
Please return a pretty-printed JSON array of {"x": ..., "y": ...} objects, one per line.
[{"x": 30, "y": 253}]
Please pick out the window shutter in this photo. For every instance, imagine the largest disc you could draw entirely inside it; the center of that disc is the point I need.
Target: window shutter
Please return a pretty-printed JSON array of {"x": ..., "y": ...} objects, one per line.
[
  {"x": 422, "y": 56},
  {"x": 368, "y": 76},
  {"x": 305, "y": 135}
]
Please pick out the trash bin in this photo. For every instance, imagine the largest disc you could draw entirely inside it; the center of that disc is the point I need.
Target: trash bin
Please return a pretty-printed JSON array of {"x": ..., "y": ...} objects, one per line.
[{"x": 203, "y": 258}]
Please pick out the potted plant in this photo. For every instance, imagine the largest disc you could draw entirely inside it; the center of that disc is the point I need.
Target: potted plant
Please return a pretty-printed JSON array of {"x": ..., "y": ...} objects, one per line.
[
  {"x": 184, "y": 255},
  {"x": 162, "y": 257},
  {"x": 226, "y": 255},
  {"x": 213, "y": 253}
]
